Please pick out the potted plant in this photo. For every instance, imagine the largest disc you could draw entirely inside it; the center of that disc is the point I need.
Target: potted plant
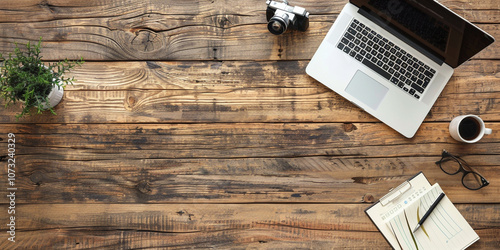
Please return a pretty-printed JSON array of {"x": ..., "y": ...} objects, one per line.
[{"x": 25, "y": 78}]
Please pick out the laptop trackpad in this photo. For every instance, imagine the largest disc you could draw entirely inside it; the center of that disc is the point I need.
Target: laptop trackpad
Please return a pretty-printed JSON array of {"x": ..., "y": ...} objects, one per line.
[{"x": 367, "y": 90}]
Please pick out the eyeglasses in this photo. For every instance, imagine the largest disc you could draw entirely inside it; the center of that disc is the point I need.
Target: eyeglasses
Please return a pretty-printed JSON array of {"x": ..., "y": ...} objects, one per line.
[{"x": 453, "y": 165}]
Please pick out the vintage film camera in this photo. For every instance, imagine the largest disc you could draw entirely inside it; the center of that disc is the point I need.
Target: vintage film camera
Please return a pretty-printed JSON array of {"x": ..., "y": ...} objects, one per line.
[{"x": 280, "y": 16}]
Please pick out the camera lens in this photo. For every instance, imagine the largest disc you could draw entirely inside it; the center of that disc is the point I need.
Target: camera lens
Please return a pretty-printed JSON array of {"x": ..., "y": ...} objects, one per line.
[{"x": 277, "y": 25}]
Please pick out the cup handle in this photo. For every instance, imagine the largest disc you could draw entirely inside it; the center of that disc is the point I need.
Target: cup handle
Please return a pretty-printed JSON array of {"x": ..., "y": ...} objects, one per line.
[{"x": 487, "y": 131}]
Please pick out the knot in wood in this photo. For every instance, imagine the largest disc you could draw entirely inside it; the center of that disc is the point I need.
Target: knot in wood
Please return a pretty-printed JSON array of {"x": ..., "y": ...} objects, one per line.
[
  {"x": 130, "y": 102},
  {"x": 223, "y": 21},
  {"x": 349, "y": 127},
  {"x": 368, "y": 198},
  {"x": 37, "y": 177},
  {"x": 144, "y": 187},
  {"x": 146, "y": 40}
]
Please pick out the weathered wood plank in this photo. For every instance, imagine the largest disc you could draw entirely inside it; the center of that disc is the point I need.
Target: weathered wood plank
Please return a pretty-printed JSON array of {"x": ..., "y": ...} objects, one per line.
[
  {"x": 173, "y": 30},
  {"x": 186, "y": 92},
  {"x": 234, "y": 163},
  {"x": 265, "y": 226},
  {"x": 39, "y": 10}
]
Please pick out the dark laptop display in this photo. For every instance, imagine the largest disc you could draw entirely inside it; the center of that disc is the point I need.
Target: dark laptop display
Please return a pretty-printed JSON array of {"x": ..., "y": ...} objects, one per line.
[{"x": 428, "y": 26}]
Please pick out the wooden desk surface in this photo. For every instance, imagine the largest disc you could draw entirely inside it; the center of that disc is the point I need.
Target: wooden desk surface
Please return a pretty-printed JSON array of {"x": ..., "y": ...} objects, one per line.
[{"x": 191, "y": 126}]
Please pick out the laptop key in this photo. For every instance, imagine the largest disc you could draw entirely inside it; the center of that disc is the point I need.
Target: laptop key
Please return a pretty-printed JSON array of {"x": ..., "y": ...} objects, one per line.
[
  {"x": 376, "y": 68},
  {"x": 428, "y": 74},
  {"x": 417, "y": 88},
  {"x": 425, "y": 84},
  {"x": 349, "y": 36},
  {"x": 359, "y": 57},
  {"x": 412, "y": 91},
  {"x": 346, "y": 49},
  {"x": 340, "y": 46}
]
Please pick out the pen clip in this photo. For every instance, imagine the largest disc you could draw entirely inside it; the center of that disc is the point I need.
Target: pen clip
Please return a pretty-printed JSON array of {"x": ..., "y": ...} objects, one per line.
[{"x": 395, "y": 193}]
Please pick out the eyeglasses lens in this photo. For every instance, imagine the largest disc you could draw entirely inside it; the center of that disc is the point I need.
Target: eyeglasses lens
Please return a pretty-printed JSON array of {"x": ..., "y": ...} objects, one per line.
[
  {"x": 472, "y": 180},
  {"x": 450, "y": 166}
]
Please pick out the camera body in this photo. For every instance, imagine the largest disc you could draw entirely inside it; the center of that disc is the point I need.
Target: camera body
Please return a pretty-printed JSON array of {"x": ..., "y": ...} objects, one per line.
[{"x": 280, "y": 16}]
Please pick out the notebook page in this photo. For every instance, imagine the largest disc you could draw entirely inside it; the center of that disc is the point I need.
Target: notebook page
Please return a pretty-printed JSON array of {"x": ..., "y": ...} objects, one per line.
[
  {"x": 445, "y": 228},
  {"x": 381, "y": 214}
]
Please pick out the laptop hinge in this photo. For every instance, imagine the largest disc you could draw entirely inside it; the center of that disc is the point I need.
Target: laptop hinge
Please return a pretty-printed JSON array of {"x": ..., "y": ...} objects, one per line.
[{"x": 382, "y": 23}]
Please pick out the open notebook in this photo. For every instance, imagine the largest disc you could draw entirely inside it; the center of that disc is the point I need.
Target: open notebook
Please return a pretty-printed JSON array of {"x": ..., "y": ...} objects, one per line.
[{"x": 397, "y": 214}]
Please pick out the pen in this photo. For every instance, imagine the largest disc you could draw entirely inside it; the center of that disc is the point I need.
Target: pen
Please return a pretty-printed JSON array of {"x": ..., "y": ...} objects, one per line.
[{"x": 439, "y": 198}]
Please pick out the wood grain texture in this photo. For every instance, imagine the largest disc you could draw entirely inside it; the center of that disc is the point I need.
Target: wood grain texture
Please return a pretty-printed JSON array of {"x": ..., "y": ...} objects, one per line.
[
  {"x": 183, "y": 30},
  {"x": 237, "y": 163},
  {"x": 262, "y": 226},
  {"x": 243, "y": 91},
  {"x": 191, "y": 126}
]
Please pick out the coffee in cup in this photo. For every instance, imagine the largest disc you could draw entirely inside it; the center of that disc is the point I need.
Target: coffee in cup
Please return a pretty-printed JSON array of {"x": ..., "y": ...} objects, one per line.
[{"x": 468, "y": 128}]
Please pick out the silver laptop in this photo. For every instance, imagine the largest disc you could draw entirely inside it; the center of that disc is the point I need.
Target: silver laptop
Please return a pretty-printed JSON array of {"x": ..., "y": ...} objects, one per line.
[{"x": 392, "y": 58}]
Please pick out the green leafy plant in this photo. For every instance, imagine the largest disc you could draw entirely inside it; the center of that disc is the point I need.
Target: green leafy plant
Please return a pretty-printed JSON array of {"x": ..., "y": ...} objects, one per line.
[{"x": 25, "y": 78}]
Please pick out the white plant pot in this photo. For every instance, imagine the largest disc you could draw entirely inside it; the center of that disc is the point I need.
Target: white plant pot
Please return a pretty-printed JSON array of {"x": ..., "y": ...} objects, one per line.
[{"x": 54, "y": 97}]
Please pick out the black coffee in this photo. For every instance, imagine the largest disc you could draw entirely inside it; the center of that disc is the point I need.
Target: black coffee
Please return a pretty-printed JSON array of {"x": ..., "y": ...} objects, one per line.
[{"x": 469, "y": 128}]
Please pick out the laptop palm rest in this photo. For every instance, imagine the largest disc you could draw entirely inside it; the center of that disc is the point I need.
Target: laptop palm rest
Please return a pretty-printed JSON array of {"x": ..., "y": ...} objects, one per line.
[{"x": 366, "y": 89}]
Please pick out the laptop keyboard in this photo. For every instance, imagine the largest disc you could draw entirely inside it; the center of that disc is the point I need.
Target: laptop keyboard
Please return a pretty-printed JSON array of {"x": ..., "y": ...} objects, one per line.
[{"x": 387, "y": 59}]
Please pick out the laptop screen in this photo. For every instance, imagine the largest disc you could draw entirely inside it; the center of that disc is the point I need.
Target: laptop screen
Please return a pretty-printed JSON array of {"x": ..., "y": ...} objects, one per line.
[{"x": 431, "y": 26}]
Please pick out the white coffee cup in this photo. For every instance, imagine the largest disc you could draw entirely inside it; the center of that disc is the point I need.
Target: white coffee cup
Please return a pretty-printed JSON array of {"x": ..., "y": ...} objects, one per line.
[{"x": 468, "y": 128}]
